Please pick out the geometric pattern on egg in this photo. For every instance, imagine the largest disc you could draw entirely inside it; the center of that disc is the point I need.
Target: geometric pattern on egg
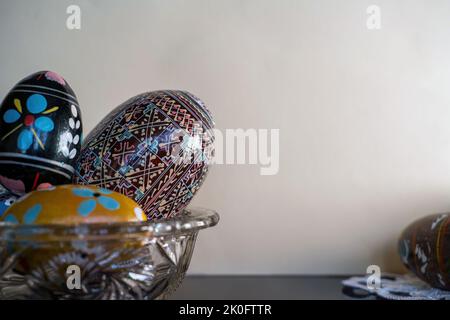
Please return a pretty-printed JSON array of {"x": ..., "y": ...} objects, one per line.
[{"x": 154, "y": 148}]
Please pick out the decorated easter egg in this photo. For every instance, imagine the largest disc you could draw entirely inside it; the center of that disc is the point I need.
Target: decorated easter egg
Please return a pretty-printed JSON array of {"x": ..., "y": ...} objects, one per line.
[
  {"x": 73, "y": 204},
  {"x": 40, "y": 133},
  {"x": 154, "y": 148},
  {"x": 424, "y": 248}
]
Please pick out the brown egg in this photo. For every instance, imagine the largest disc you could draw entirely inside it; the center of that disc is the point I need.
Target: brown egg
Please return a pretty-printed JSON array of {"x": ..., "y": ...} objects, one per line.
[{"x": 424, "y": 248}]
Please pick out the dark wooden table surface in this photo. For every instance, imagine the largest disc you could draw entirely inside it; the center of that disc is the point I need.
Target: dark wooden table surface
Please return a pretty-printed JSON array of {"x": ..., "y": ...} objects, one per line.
[{"x": 261, "y": 288}]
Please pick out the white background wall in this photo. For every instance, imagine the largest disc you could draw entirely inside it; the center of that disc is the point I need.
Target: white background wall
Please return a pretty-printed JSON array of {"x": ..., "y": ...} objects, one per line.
[{"x": 364, "y": 116}]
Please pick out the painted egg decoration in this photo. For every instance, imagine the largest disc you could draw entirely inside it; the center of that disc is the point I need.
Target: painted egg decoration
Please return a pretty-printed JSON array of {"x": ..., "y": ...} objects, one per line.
[
  {"x": 154, "y": 148},
  {"x": 40, "y": 133},
  {"x": 424, "y": 248},
  {"x": 73, "y": 204}
]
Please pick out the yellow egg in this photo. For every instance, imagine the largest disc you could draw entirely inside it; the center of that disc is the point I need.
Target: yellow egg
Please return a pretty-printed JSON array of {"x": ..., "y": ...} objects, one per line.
[{"x": 73, "y": 204}]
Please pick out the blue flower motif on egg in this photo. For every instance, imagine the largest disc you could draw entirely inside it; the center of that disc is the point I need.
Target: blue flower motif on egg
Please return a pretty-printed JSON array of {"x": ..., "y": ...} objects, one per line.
[
  {"x": 87, "y": 206},
  {"x": 29, "y": 218},
  {"x": 33, "y": 124}
]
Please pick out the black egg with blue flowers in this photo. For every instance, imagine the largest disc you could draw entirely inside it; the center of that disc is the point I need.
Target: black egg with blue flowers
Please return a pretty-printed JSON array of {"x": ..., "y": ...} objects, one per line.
[{"x": 40, "y": 133}]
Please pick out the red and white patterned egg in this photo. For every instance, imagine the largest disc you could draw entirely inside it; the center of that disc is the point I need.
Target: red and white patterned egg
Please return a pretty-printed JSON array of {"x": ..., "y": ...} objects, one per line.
[{"x": 154, "y": 148}]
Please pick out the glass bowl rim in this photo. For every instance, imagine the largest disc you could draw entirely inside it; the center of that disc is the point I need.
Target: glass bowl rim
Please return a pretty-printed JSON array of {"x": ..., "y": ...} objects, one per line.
[{"x": 190, "y": 221}]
